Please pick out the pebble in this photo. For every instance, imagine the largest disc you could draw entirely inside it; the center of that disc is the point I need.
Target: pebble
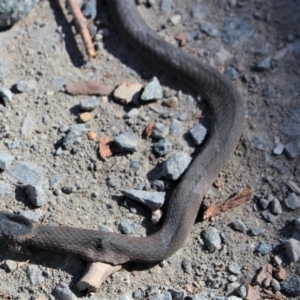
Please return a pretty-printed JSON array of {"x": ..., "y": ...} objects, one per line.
[
  {"x": 264, "y": 64},
  {"x": 152, "y": 289},
  {"x": 58, "y": 83},
  {"x": 63, "y": 292},
  {"x": 231, "y": 73},
  {"x": 171, "y": 102},
  {"x": 175, "y": 165},
  {"x": 175, "y": 20},
  {"x": 5, "y": 189},
  {"x": 72, "y": 136},
  {"x": 275, "y": 207},
  {"x": 70, "y": 189},
  {"x": 259, "y": 142},
  {"x": 256, "y": 231},
  {"x": 239, "y": 225},
  {"x": 292, "y": 201},
  {"x": 10, "y": 265},
  {"x": 241, "y": 291},
  {"x": 292, "y": 128},
  {"x": 232, "y": 278},
  {"x": 127, "y": 227},
  {"x": 6, "y": 95},
  {"x": 159, "y": 185},
  {"x": 175, "y": 127},
  {"x": 234, "y": 298},
  {"x": 187, "y": 265},
  {"x": 31, "y": 215},
  {"x": 231, "y": 287},
  {"x": 128, "y": 92},
  {"x": 269, "y": 217},
  {"x": 223, "y": 56},
  {"x": 22, "y": 86},
  {"x": 5, "y": 160},
  {"x": 138, "y": 294},
  {"x": 264, "y": 203},
  {"x": 153, "y": 200},
  {"x": 135, "y": 165},
  {"x": 212, "y": 239},
  {"x": 57, "y": 179},
  {"x": 164, "y": 296},
  {"x": 177, "y": 294},
  {"x": 235, "y": 29},
  {"x": 63, "y": 128},
  {"x": 292, "y": 248},
  {"x": 292, "y": 149},
  {"x": 28, "y": 125},
  {"x": 275, "y": 285},
  {"x": 278, "y": 150},
  {"x": 198, "y": 133},
  {"x": 264, "y": 248},
  {"x": 85, "y": 117},
  {"x": 199, "y": 11},
  {"x": 165, "y": 5},
  {"x": 133, "y": 113},
  {"x": 159, "y": 131},
  {"x": 292, "y": 286},
  {"x": 38, "y": 192},
  {"x": 234, "y": 269},
  {"x": 209, "y": 29},
  {"x": 162, "y": 147},
  {"x": 126, "y": 141},
  {"x": 89, "y": 104},
  {"x": 89, "y": 9},
  {"x": 34, "y": 274},
  {"x": 183, "y": 117}
]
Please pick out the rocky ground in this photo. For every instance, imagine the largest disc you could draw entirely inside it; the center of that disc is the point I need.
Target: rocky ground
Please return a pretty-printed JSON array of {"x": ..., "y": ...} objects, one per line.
[{"x": 45, "y": 149}]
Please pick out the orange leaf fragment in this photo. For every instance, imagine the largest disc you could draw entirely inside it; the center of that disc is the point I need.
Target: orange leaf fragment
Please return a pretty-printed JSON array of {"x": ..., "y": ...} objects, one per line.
[
  {"x": 149, "y": 129},
  {"x": 238, "y": 199},
  {"x": 105, "y": 147}
]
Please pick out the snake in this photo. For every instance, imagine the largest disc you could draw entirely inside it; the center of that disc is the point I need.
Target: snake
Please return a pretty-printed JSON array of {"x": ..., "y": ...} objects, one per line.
[{"x": 227, "y": 116}]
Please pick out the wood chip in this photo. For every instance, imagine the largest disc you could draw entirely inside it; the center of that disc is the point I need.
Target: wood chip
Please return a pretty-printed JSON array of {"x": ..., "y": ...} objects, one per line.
[
  {"x": 264, "y": 276},
  {"x": 252, "y": 294},
  {"x": 217, "y": 208},
  {"x": 84, "y": 87},
  {"x": 92, "y": 135},
  {"x": 128, "y": 92},
  {"x": 105, "y": 147},
  {"x": 149, "y": 129}
]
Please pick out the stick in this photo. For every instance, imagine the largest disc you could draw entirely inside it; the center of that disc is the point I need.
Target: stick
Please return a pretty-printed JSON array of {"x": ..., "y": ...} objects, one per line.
[
  {"x": 94, "y": 276},
  {"x": 81, "y": 24}
]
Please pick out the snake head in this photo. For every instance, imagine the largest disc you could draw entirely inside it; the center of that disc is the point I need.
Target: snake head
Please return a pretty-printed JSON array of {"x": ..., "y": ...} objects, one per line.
[{"x": 14, "y": 229}]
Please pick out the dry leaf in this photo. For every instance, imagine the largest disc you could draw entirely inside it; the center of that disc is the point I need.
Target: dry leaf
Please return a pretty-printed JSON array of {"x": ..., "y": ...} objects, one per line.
[
  {"x": 217, "y": 208},
  {"x": 105, "y": 147}
]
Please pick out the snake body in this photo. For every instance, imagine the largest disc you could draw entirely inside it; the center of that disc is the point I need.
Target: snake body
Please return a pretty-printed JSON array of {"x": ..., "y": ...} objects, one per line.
[{"x": 227, "y": 111}]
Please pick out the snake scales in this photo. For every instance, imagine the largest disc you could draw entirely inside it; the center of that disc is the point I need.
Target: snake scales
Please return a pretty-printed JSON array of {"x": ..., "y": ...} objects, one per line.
[{"x": 227, "y": 112}]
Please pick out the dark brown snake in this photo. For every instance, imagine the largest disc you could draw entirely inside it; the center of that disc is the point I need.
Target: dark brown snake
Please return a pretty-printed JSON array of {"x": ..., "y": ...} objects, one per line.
[{"x": 227, "y": 111}]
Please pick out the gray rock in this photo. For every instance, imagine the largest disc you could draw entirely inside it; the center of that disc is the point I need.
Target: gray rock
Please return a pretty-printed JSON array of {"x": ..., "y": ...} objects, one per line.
[
  {"x": 264, "y": 248},
  {"x": 234, "y": 30},
  {"x": 152, "y": 289},
  {"x": 22, "y": 86},
  {"x": 292, "y": 128},
  {"x": 10, "y": 265},
  {"x": 160, "y": 131},
  {"x": 89, "y": 104},
  {"x": 256, "y": 231},
  {"x": 232, "y": 278},
  {"x": 234, "y": 298},
  {"x": 292, "y": 248},
  {"x": 125, "y": 296},
  {"x": 34, "y": 274},
  {"x": 13, "y": 11},
  {"x": 63, "y": 292},
  {"x": 59, "y": 151},
  {"x": 89, "y": 9},
  {"x": 209, "y": 29},
  {"x": 198, "y": 133},
  {"x": 38, "y": 192},
  {"x": 165, "y": 5},
  {"x": 234, "y": 269},
  {"x": 292, "y": 201},
  {"x": 126, "y": 141},
  {"x": 153, "y": 200},
  {"x": 269, "y": 217},
  {"x": 264, "y": 64},
  {"x": 72, "y": 136},
  {"x": 127, "y": 227},
  {"x": 5, "y": 160},
  {"x": 5, "y": 189},
  {"x": 275, "y": 285},
  {"x": 63, "y": 128},
  {"x": 135, "y": 165},
  {"x": 241, "y": 291},
  {"x": 175, "y": 165},
  {"x": 231, "y": 73},
  {"x": 278, "y": 150},
  {"x": 133, "y": 113},
  {"x": 56, "y": 180},
  {"x": 31, "y": 215},
  {"x": 164, "y": 296},
  {"x": 58, "y": 83},
  {"x": 175, "y": 127},
  {"x": 276, "y": 207},
  {"x": 259, "y": 142},
  {"x": 296, "y": 47},
  {"x": 212, "y": 239},
  {"x": 239, "y": 225},
  {"x": 159, "y": 185},
  {"x": 138, "y": 294},
  {"x": 264, "y": 203},
  {"x": 199, "y": 12},
  {"x": 5, "y": 94},
  {"x": 152, "y": 91},
  {"x": 70, "y": 189},
  {"x": 292, "y": 286},
  {"x": 177, "y": 294},
  {"x": 187, "y": 265},
  {"x": 231, "y": 287},
  {"x": 292, "y": 149},
  {"x": 28, "y": 125},
  {"x": 3, "y": 73},
  {"x": 162, "y": 147}
]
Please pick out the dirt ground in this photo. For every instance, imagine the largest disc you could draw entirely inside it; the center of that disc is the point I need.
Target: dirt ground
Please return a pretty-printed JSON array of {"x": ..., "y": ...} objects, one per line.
[{"x": 44, "y": 50}]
